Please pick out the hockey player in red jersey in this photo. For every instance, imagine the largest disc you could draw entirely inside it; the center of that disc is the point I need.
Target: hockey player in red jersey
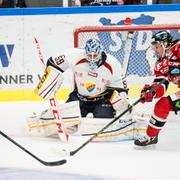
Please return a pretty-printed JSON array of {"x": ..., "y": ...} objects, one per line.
[{"x": 167, "y": 67}]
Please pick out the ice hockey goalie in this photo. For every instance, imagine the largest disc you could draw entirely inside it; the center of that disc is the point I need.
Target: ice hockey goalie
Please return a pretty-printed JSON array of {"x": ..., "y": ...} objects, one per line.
[{"x": 99, "y": 91}]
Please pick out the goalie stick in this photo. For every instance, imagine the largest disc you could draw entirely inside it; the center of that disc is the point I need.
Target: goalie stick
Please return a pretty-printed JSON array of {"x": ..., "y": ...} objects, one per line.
[
  {"x": 46, "y": 163},
  {"x": 63, "y": 135},
  {"x": 71, "y": 153}
]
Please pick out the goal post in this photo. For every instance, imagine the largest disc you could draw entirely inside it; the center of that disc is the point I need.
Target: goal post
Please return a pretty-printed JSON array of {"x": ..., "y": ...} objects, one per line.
[{"x": 135, "y": 55}]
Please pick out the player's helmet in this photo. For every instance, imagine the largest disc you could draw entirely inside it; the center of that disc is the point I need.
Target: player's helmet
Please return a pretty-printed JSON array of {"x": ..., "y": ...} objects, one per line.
[
  {"x": 161, "y": 37},
  {"x": 161, "y": 41},
  {"x": 93, "y": 52}
]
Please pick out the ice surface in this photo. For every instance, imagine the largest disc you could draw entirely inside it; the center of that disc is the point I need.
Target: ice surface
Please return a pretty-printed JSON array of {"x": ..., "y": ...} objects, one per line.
[{"x": 96, "y": 161}]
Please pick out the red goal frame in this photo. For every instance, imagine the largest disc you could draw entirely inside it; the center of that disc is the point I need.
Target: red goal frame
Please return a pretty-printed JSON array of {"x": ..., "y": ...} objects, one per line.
[{"x": 121, "y": 28}]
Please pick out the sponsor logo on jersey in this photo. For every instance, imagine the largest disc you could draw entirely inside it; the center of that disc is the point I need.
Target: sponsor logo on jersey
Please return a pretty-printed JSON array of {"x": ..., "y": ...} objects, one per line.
[
  {"x": 103, "y": 80},
  {"x": 169, "y": 54},
  {"x": 162, "y": 66},
  {"x": 90, "y": 86},
  {"x": 6, "y": 53},
  {"x": 170, "y": 63},
  {"x": 78, "y": 74},
  {"x": 93, "y": 74},
  {"x": 82, "y": 84}
]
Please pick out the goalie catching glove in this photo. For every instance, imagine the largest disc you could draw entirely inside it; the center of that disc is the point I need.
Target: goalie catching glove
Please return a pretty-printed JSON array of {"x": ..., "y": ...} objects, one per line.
[{"x": 120, "y": 103}]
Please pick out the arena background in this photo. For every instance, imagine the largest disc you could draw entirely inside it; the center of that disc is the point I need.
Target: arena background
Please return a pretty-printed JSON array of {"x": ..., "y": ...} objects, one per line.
[{"x": 53, "y": 27}]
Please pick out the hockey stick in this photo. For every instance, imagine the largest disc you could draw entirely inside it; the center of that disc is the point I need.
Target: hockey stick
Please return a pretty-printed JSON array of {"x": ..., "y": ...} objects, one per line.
[
  {"x": 71, "y": 153},
  {"x": 63, "y": 135},
  {"x": 46, "y": 163}
]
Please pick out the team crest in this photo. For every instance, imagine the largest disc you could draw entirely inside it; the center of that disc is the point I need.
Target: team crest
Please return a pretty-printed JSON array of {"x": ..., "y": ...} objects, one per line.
[{"x": 90, "y": 86}]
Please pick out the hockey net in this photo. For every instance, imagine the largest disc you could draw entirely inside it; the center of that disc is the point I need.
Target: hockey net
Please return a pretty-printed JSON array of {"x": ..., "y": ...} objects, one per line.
[{"x": 131, "y": 46}]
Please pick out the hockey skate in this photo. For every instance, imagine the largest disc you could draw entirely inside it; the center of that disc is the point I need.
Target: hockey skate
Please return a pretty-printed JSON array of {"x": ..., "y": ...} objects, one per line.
[{"x": 146, "y": 141}]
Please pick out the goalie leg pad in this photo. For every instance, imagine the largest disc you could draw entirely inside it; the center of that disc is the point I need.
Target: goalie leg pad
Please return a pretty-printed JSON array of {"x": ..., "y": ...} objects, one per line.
[
  {"x": 70, "y": 113},
  {"x": 44, "y": 125},
  {"x": 118, "y": 131},
  {"x": 41, "y": 128}
]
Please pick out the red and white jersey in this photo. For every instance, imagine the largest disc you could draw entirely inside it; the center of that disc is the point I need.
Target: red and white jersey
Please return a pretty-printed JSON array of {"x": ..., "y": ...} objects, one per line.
[
  {"x": 90, "y": 82},
  {"x": 168, "y": 67}
]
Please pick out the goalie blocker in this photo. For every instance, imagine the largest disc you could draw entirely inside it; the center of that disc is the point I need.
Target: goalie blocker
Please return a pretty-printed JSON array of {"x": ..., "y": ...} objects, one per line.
[{"x": 51, "y": 81}]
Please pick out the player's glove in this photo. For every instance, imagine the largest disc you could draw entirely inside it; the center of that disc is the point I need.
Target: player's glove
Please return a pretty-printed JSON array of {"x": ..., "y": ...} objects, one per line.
[{"x": 146, "y": 94}]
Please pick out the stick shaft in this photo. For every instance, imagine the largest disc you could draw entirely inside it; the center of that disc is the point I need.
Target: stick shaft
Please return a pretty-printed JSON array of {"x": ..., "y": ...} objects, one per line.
[
  {"x": 63, "y": 135},
  {"x": 46, "y": 163}
]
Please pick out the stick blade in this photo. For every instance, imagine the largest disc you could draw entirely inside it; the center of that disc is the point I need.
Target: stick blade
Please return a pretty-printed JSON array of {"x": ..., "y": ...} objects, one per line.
[{"x": 55, "y": 163}]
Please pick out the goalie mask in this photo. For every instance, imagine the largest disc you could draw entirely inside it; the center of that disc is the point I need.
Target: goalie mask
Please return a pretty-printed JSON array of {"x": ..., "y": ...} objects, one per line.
[
  {"x": 160, "y": 42},
  {"x": 93, "y": 53}
]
